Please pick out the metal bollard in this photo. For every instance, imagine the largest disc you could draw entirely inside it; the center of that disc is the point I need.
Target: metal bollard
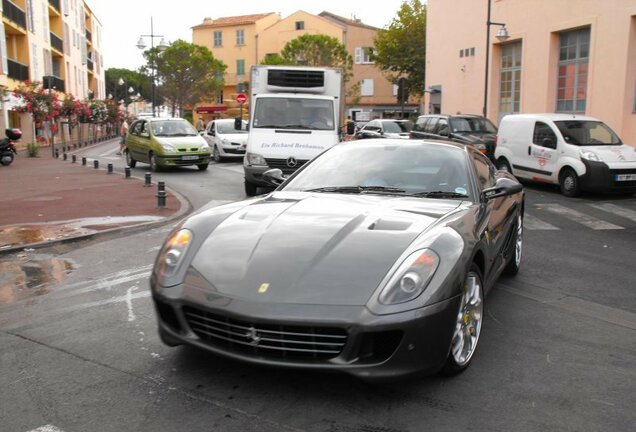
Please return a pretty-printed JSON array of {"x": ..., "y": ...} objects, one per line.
[
  {"x": 127, "y": 171},
  {"x": 148, "y": 177},
  {"x": 110, "y": 168},
  {"x": 64, "y": 156},
  {"x": 83, "y": 160},
  {"x": 57, "y": 154},
  {"x": 161, "y": 195},
  {"x": 73, "y": 158},
  {"x": 95, "y": 164}
]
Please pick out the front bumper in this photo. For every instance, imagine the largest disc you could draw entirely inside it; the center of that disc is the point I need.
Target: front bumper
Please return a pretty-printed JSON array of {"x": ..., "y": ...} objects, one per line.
[
  {"x": 371, "y": 346},
  {"x": 232, "y": 151},
  {"x": 599, "y": 177},
  {"x": 172, "y": 160}
]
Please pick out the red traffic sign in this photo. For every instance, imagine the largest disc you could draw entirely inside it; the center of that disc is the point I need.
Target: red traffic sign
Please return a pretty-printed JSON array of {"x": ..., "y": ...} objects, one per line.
[{"x": 241, "y": 98}]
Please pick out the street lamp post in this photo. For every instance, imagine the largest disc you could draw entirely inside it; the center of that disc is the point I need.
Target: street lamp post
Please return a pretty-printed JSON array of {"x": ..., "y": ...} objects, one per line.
[
  {"x": 502, "y": 35},
  {"x": 163, "y": 45}
]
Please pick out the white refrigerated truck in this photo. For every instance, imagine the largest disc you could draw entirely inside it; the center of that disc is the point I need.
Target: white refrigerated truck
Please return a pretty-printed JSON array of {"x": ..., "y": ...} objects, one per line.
[{"x": 294, "y": 115}]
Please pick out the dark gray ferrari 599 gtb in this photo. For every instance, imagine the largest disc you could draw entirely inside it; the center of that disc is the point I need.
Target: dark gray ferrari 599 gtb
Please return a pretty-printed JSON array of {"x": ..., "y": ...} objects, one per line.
[{"x": 373, "y": 259}]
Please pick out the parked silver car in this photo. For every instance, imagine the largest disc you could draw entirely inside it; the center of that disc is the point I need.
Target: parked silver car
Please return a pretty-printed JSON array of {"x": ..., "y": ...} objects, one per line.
[{"x": 225, "y": 140}]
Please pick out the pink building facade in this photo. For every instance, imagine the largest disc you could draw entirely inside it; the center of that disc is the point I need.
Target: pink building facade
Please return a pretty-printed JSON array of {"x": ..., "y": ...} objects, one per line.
[{"x": 566, "y": 56}]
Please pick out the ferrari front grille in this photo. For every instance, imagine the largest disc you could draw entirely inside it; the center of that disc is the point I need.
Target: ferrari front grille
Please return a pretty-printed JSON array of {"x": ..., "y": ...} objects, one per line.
[{"x": 276, "y": 341}]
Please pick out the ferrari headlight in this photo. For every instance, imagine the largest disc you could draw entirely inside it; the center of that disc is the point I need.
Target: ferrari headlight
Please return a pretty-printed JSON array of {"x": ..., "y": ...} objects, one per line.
[
  {"x": 255, "y": 159},
  {"x": 411, "y": 278},
  {"x": 172, "y": 253},
  {"x": 590, "y": 155}
]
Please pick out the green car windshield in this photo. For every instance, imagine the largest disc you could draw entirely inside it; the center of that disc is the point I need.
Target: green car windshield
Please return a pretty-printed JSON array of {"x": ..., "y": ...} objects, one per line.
[{"x": 172, "y": 128}]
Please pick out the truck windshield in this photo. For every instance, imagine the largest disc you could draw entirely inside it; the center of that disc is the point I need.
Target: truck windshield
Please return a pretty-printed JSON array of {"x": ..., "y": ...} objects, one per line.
[
  {"x": 587, "y": 133},
  {"x": 294, "y": 113}
]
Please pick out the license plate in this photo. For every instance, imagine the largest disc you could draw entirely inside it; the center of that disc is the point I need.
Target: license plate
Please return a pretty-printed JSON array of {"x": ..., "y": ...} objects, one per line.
[
  {"x": 625, "y": 177},
  {"x": 192, "y": 157}
]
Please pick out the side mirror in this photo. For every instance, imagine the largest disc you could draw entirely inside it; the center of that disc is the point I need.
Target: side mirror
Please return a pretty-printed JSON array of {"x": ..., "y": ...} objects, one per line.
[
  {"x": 547, "y": 142},
  {"x": 238, "y": 123},
  {"x": 503, "y": 187},
  {"x": 274, "y": 177}
]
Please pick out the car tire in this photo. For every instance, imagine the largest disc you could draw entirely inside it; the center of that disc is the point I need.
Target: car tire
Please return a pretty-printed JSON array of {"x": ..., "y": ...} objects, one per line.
[
  {"x": 251, "y": 189},
  {"x": 130, "y": 161},
  {"x": 154, "y": 164},
  {"x": 216, "y": 154},
  {"x": 467, "y": 325},
  {"x": 512, "y": 268},
  {"x": 202, "y": 167},
  {"x": 569, "y": 183},
  {"x": 503, "y": 165}
]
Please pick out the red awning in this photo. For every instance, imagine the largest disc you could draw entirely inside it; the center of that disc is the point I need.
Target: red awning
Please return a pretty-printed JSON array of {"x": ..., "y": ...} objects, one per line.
[{"x": 211, "y": 109}]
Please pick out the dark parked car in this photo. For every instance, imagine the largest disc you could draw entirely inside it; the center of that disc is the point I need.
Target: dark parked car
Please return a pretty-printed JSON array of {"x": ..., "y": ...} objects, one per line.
[
  {"x": 385, "y": 128},
  {"x": 466, "y": 129},
  {"x": 372, "y": 259}
]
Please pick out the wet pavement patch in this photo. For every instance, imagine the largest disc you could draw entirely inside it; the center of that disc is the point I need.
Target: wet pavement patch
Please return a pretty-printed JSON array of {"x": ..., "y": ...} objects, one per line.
[{"x": 30, "y": 275}]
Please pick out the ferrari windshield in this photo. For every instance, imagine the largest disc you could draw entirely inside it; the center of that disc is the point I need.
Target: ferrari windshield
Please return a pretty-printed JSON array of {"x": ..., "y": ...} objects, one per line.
[
  {"x": 587, "y": 133},
  {"x": 413, "y": 168}
]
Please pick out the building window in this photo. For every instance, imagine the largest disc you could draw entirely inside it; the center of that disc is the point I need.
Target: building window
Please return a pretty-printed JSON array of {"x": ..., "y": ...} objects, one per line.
[
  {"x": 574, "y": 50},
  {"x": 240, "y": 67},
  {"x": 218, "y": 38},
  {"x": 510, "y": 79},
  {"x": 30, "y": 16},
  {"x": 240, "y": 37},
  {"x": 363, "y": 55},
  {"x": 366, "y": 87},
  {"x": 219, "y": 97},
  {"x": 300, "y": 25}
]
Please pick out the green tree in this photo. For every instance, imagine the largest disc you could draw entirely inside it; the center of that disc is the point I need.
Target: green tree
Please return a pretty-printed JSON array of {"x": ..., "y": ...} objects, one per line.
[
  {"x": 138, "y": 80},
  {"x": 317, "y": 50},
  {"x": 400, "y": 48},
  {"x": 188, "y": 73}
]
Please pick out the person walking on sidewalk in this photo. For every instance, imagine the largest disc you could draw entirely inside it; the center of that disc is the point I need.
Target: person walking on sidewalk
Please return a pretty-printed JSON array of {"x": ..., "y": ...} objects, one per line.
[{"x": 122, "y": 140}]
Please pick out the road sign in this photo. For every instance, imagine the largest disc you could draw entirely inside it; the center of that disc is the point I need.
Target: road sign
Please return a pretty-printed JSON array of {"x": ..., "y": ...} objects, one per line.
[{"x": 241, "y": 98}]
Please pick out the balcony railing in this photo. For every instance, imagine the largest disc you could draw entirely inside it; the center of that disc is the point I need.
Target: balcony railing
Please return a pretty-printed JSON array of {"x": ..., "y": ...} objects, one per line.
[
  {"x": 56, "y": 42},
  {"x": 53, "y": 82},
  {"x": 55, "y": 4},
  {"x": 89, "y": 64},
  {"x": 14, "y": 13},
  {"x": 18, "y": 71},
  {"x": 89, "y": 36}
]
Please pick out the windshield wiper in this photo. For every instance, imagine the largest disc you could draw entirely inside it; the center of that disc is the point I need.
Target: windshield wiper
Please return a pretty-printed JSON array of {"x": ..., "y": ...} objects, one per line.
[
  {"x": 439, "y": 194},
  {"x": 358, "y": 189}
]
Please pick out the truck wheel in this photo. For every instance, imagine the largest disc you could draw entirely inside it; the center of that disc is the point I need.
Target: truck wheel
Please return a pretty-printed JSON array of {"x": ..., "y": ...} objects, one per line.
[
  {"x": 250, "y": 188},
  {"x": 569, "y": 183}
]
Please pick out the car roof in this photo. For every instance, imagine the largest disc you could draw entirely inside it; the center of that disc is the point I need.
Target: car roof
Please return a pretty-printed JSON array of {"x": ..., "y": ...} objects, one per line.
[
  {"x": 453, "y": 115},
  {"x": 549, "y": 117},
  {"x": 406, "y": 142}
]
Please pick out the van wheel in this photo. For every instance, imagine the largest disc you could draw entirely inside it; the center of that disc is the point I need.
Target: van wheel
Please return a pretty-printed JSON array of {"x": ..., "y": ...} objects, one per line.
[
  {"x": 250, "y": 188},
  {"x": 130, "y": 160},
  {"x": 503, "y": 165},
  {"x": 569, "y": 183},
  {"x": 154, "y": 164}
]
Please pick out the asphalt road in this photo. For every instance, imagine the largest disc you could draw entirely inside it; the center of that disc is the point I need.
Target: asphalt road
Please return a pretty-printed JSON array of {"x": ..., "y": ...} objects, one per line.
[{"x": 557, "y": 353}]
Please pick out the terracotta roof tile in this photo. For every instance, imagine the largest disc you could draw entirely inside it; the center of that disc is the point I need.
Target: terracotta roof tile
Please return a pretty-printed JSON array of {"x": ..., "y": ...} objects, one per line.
[{"x": 233, "y": 20}]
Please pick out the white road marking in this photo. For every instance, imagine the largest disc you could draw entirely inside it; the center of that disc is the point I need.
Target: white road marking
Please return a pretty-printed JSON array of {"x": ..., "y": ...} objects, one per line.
[
  {"x": 582, "y": 218},
  {"x": 131, "y": 312},
  {"x": 47, "y": 428},
  {"x": 532, "y": 223},
  {"x": 233, "y": 168},
  {"x": 617, "y": 210}
]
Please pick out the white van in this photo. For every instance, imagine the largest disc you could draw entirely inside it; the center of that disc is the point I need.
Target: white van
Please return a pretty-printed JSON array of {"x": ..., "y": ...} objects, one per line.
[{"x": 576, "y": 152}]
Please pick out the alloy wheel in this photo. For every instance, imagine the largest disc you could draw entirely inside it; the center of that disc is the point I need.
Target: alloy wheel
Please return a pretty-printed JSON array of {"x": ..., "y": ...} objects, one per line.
[{"x": 469, "y": 320}]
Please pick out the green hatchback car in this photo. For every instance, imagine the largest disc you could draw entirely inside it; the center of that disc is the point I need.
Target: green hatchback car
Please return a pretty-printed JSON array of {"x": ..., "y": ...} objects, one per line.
[{"x": 164, "y": 143}]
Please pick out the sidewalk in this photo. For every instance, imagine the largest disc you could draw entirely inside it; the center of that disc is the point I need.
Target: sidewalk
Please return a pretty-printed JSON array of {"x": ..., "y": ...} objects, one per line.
[{"x": 46, "y": 200}]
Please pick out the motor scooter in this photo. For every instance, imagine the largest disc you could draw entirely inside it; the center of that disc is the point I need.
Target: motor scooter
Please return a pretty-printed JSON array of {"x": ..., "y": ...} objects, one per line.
[{"x": 7, "y": 147}]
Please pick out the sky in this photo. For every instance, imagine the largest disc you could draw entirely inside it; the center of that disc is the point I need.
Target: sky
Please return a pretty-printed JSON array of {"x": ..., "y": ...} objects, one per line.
[{"x": 124, "y": 21}]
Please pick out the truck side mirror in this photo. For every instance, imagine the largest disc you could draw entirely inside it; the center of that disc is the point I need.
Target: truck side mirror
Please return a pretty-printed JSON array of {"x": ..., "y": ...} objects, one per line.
[{"x": 238, "y": 123}]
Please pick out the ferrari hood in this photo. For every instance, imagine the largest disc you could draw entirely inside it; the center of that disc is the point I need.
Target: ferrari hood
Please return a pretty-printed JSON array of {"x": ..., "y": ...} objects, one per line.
[{"x": 313, "y": 248}]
